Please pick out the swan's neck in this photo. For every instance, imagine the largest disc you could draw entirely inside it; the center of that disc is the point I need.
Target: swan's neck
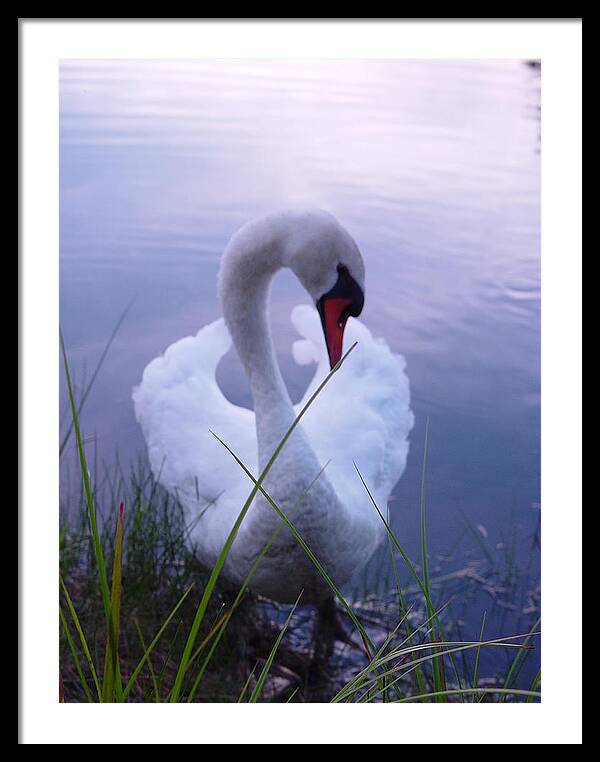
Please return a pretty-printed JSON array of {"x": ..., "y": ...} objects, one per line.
[
  {"x": 249, "y": 263},
  {"x": 244, "y": 285}
]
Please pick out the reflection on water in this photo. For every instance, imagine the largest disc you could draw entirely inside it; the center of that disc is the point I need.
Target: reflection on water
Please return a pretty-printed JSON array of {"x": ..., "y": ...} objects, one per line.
[{"x": 433, "y": 166}]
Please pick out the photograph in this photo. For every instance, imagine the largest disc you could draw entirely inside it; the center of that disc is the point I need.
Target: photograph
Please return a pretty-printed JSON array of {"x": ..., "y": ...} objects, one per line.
[
  {"x": 300, "y": 315},
  {"x": 299, "y": 381}
]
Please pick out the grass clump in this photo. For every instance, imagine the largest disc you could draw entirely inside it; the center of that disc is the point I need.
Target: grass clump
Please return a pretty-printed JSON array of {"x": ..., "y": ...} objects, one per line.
[{"x": 164, "y": 629}]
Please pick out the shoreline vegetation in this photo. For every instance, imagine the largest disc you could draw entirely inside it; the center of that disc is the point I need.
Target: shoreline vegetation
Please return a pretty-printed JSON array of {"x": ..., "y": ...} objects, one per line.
[{"x": 142, "y": 621}]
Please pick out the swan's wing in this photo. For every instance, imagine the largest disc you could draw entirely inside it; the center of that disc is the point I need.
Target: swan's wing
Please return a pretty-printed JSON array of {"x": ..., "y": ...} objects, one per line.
[
  {"x": 178, "y": 403},
  {"x": 362, "y": 415}
]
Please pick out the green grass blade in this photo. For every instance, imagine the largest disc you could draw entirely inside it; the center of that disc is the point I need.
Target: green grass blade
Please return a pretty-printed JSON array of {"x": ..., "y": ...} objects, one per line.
[
  {"x": 217, "y": 628},
  {"x": 424, "y": 554},
  {"x": 89, "y": 498},
  {"x": 111, "y": 685},
  {"x": 467, "y": 691},
  {"x": 157, "y": 637},
  {"x": 246, "y": 684},
  {"x": 404, "y": 611},
  {"x": 446, "y": 647},
  {"x": 267, "y": 666},
  {"x": 476, "y": 671},
  {"x": 358, "y": 679},
  {"x": 214, "y": 635},
  {"x": 517, "y": 663},
  {"x": 82, "y": 638},
  {"x": 535, "y": 685},
  {"x": 167, "y": 658},
  {"x": 89, "y": 386},
  {"x": 201, "y": 610},
  {"x": 83, "y": 681},
  {"x": 437, "y": 679},
  {"x": 149, "y": 660},
  {"x": 411, "y": 568},
  {"x": 379, "y": 661}
]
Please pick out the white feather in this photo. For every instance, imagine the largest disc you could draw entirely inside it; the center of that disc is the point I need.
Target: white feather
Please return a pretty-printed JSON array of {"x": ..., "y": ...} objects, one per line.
[{"x": 361, "y": 417}]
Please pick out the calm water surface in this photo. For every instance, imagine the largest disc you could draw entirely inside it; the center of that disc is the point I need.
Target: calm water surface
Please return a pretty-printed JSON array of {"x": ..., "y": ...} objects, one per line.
[{"x": 433, "y": 166}]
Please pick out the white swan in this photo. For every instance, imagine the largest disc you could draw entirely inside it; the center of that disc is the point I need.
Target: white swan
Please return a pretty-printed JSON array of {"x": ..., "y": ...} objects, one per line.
[{"x": 361, "y": 416}]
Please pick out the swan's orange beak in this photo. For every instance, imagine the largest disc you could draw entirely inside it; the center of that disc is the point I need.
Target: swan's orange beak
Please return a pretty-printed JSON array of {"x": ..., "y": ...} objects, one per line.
[
  {"x": 335, "y": 307},
  {"x": 334, "y": 312}
]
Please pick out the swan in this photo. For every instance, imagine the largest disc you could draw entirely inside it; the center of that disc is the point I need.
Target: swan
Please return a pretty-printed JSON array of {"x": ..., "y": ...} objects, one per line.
[{"x": 361, "y": 416}]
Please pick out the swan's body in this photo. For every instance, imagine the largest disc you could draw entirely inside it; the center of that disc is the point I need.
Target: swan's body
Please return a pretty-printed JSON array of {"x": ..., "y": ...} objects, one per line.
[{"x": 362, "y": 416}]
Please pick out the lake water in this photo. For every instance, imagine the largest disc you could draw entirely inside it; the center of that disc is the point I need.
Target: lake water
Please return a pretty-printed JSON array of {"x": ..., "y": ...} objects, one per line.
[{"x": 433, "y": 167}]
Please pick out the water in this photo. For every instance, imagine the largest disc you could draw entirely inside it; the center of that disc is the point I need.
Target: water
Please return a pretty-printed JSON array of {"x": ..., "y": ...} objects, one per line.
[{"x": 434, "y": 168}]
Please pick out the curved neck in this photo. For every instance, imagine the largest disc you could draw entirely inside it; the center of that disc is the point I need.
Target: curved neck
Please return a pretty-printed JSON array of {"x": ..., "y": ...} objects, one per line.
[
  {"x": 244, "y": 285},
  {"x": 248, "y": 265}
]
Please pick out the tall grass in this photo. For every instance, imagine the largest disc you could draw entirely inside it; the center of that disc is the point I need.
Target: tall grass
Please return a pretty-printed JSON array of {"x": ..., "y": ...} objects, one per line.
[{"x": 153, "y": 564}]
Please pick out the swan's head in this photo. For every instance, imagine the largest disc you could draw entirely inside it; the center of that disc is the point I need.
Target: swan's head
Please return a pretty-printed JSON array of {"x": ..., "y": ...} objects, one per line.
[
  {"x": 329, "y": 265},
  {"x": 346, "y": 298}
]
